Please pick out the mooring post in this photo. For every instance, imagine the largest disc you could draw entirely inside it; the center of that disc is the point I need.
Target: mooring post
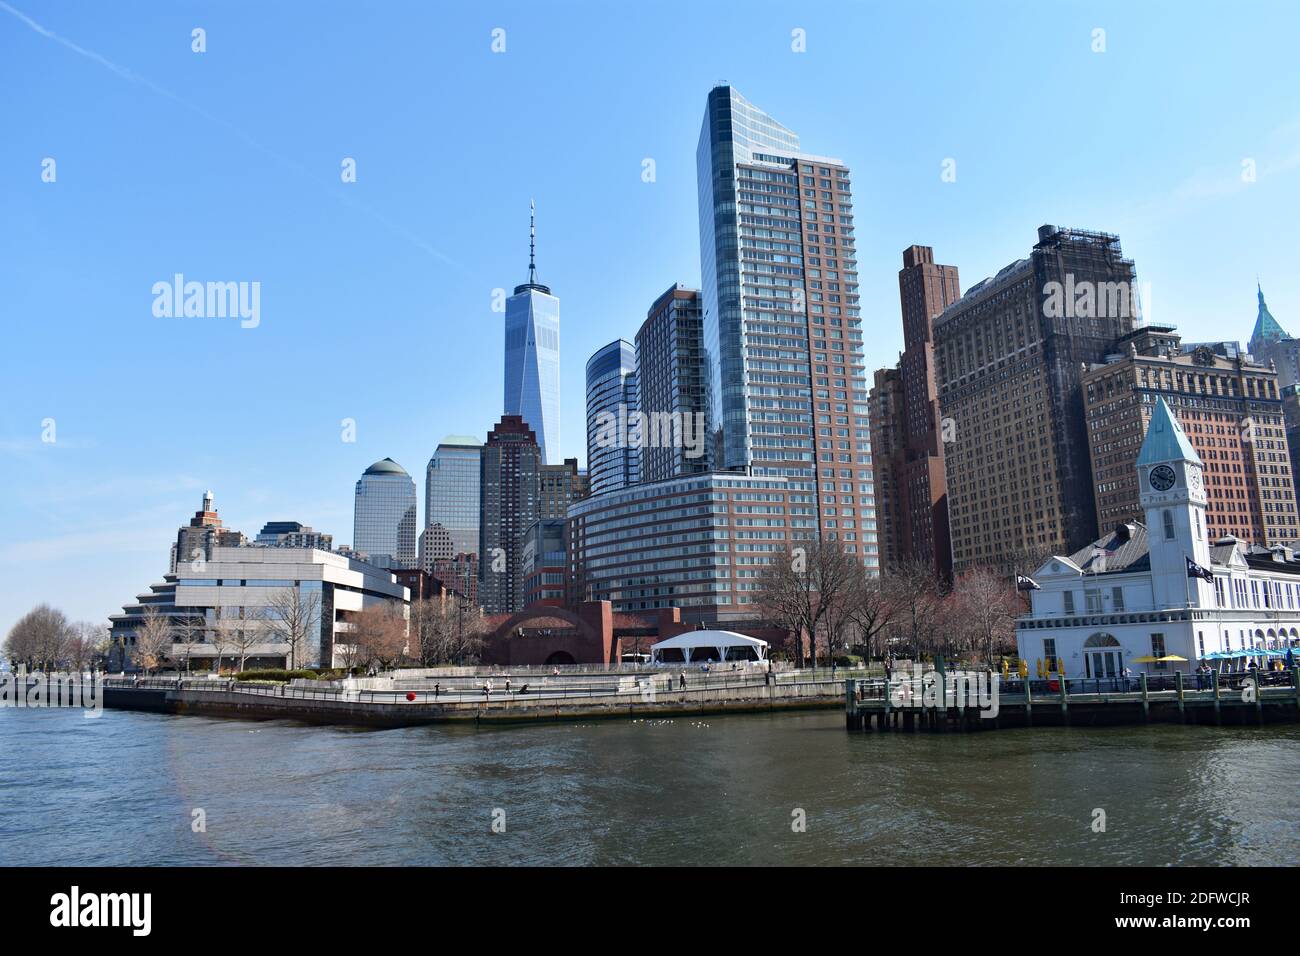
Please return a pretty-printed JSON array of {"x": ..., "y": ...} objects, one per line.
[
  {"x": 1065, "y": 702},
  {"x": 1178, "y": 684},
  {"x": 884, "y": 723},
  {"x": 1029, "y": 703},
  {"x": 851, "y": 717},
  {"x": 1218, "y": 709},
  {"x": 1146, "y": 702},
  {"x": 1295, "y": 682}
]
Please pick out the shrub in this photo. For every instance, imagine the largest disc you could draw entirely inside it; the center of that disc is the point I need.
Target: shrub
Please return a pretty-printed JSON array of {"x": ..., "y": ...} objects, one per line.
[{"x": 272, "y": 674}]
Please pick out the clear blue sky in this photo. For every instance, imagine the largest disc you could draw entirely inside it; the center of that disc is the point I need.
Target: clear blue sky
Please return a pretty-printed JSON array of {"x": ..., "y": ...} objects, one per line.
[{"x": 376, "y": 296}]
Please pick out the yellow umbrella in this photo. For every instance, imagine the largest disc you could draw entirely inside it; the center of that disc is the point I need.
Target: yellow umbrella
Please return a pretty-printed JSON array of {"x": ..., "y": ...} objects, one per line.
[
  {"x": 1145, "y": 660},
  {"x": 1173, "y": 657},
  {"x": 1038, "y": 664},
  {"x": 1060, "y": 666},
  {"x": 1006, "y": 668},
  {"x": 1023, "y": 668}
]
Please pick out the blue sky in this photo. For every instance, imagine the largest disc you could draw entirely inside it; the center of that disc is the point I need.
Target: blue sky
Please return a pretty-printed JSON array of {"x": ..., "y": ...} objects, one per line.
[{"x": 376, "y": 295}]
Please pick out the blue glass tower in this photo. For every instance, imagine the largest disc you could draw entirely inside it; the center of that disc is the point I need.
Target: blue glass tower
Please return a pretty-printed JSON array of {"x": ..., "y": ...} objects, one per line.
[{"x": 532, "y": 370}]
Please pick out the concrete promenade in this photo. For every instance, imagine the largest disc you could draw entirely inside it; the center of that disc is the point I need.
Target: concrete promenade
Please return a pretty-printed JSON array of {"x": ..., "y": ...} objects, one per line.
[{"x": 621, "y": 697}]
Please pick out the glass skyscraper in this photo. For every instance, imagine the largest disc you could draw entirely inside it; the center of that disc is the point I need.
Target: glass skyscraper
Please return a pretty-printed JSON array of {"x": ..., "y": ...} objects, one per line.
[
  {"x": 451, "y": 491},
  {"x": 785, "y": 370},
  {"x": 611, "y": 391},
  {"x": 383, "y": 518},
  {"x": 532, "y": 360}
]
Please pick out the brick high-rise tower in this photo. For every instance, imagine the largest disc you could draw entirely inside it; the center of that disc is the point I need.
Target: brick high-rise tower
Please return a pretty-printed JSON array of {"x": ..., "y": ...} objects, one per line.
[
  {"x": 925, "y": 289},
  {"x": 782, "y": 325}
]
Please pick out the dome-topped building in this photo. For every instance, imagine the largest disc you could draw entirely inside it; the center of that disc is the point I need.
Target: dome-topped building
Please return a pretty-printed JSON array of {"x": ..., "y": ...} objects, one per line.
[{"x": 383, "y": 518}]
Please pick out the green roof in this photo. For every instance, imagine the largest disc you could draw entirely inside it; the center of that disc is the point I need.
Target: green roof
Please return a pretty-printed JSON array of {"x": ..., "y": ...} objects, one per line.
[
  {"x": 1266, "y": 327},
  {"x": 1166, "y": 440}
]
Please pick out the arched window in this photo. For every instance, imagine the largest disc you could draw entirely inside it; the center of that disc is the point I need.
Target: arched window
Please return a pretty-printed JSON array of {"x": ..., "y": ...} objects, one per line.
[{"x": 1101, "y": 640}]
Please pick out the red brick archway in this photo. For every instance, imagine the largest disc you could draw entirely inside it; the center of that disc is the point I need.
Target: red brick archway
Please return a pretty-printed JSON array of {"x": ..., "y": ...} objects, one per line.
[{"x": 593, "y": 642}]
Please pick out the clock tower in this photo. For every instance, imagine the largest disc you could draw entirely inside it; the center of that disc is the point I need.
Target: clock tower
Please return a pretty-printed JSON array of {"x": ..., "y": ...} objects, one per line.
[{"x": 1171, "y": 486}]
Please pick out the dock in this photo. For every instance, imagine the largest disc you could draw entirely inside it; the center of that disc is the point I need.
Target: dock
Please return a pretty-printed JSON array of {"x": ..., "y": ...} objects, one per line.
[{"x": 1238, "y": 699}]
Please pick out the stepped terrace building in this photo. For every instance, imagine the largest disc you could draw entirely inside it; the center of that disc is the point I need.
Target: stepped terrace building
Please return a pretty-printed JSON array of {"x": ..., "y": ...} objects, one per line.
[{"x": 225, "y": 611}]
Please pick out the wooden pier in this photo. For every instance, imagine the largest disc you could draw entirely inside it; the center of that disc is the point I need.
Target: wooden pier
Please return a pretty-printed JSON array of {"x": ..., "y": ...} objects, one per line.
[{"x": 1236, "y": 699}]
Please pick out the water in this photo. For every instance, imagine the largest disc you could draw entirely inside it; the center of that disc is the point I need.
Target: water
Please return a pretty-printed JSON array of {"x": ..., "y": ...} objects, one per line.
[{"x": 121, "y": 790}]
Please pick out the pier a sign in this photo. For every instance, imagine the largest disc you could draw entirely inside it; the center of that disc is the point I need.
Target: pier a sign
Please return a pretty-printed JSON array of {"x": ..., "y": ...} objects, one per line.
[{"x": 926, "y": 690}]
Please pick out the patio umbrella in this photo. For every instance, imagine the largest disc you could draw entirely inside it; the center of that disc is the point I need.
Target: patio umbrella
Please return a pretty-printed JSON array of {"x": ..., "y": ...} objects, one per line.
[
  {"x": 1006, "y": 668},
  {"x": 1168, "y": 658},
  {"x": 1145, "y": 660},
  {"x": 1023, "y": 668},
  {"x": 1060, "y": 666},
  {"x": 1038, "y": 666}
]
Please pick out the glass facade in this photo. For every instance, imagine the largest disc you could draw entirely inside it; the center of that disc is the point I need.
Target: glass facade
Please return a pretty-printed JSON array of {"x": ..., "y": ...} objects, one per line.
[
  {"x": 670, "y": 379},
  {"x": 532, "y": 365},
  {"x": 611, "y": 390},
  {"x": 451, "y": 495},
  {"x": 383, "y": 518},
  {"x": 782, "y": 328}
]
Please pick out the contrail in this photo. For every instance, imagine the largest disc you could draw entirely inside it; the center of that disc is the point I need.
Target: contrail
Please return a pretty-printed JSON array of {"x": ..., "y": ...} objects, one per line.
[{"x": 292, "y": 164}]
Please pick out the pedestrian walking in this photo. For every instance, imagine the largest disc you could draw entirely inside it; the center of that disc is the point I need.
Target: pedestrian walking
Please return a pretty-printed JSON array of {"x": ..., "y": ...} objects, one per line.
[{"x": 682, "y": 678}]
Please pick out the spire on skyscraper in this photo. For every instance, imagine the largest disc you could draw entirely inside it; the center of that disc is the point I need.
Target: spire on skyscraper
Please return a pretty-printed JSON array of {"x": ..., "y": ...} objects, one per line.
[
  {"x": 532, "y": 242},
  {"x": 532, "y": 282},
  {"x": 1267, "y": 329}
]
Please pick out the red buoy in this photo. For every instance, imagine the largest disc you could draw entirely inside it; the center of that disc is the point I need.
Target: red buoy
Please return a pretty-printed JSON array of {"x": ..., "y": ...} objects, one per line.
[{"x": 410, "y": 695}]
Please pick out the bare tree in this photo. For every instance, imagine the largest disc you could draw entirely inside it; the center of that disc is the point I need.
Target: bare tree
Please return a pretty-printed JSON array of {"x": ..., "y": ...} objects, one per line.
[
  {"x": 221, "y": 635},
  {"x": 805, "y": 589},
  {"x": 380, "y": 633},
  {"x": 188, "y": 632},
  {"x": 918, "y": 594},
  {"x": 872, "y": 606},
  {"x": 85, "y": 644},
  {"x": 40, "y": 638},
  {"x": 984, "y": 611},
  {"x": 153, "y": 640},
  {"x": 445, "y": 631},
  {"x": 252, "y": 630},
  {"x": 293, "y": 616}
]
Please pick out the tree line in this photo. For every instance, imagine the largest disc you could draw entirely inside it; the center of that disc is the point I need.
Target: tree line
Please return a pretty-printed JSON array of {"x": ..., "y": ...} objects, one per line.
[
  {"x": 818, "y": 590},
  {"x": 436, "y": 632}
]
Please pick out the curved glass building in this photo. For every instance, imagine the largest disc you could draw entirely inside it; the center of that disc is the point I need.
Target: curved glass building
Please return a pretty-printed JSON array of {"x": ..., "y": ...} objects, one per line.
[
  {"x": 611, "y": 391},
  {"x": 383, "y": 518}
]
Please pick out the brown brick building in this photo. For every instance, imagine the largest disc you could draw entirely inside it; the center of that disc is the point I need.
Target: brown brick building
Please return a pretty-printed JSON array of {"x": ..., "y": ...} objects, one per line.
[
  {"x": 1009, "y": 355},
  {"x": 914, "y": 525},
  {"x": 888, "y": 443},
  {"x": 1230, "y": 409}
]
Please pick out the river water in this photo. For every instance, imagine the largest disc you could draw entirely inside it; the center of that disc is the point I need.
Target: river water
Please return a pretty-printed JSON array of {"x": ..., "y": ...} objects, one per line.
[{"x": 124, "y": 789}]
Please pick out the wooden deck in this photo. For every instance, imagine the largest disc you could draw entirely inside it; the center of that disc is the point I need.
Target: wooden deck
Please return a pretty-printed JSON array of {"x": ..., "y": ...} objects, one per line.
[{"x": 1173, "y": 699}]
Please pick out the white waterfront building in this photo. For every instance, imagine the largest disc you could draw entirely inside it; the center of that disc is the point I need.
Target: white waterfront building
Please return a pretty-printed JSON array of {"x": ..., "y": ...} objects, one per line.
[
  {"x": 225, "y": 605},
  {"x": 1138, "y": 592}
]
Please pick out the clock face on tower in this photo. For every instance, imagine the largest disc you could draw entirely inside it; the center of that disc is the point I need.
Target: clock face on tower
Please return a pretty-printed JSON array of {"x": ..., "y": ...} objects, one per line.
[{"x": 1162, "y": 478}]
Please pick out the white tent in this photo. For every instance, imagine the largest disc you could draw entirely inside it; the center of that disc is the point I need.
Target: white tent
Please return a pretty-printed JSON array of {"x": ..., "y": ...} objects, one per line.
[{"x": 700, "y": 646}]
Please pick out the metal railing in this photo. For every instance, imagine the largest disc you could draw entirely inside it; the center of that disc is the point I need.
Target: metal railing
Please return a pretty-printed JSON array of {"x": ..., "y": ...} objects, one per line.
[{"x": 566, "y": 690}]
